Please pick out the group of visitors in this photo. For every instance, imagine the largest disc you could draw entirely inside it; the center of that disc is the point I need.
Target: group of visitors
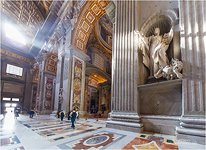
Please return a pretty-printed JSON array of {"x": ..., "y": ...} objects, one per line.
[{"x": 73, "y": 115}]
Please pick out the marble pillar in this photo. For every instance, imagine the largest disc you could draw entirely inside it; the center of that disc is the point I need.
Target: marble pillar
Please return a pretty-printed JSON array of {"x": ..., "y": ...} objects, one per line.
[
  {"x": 46, "y": 82},
  {"x": 71, "y": 56},
  {"x": 124, "y": 105},
  {"x": 193, "y": 42},
  {"x": 61, "y": 52},
  {"x": 39, "y": 98},
  {"x": 48, "y": 93},
  {"x": 58, "y": 78},
  {"x": 67, "y": 74},
  {"x": 79, "y": 60}
]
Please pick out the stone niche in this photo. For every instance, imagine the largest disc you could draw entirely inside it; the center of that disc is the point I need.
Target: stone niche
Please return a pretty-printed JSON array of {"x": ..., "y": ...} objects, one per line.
[
  {"x": 165, "y": 20},
  {"x": 160, "y": 100}
]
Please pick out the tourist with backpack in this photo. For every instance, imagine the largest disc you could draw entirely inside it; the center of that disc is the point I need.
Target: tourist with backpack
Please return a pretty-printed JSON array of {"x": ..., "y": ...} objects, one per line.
[{"x": 73, "y": 116}]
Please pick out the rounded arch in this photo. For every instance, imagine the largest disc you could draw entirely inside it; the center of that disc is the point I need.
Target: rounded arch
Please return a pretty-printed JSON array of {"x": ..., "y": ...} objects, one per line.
[
  {"x": 170, "y": 16},
  {"x": 164, "y": 20},
  {"x": 101, "y": 41},
  {"x": 89, "y": 15}
]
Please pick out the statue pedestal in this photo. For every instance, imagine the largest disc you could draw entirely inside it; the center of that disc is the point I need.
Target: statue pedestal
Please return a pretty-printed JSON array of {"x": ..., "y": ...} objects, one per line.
[
  {"x": 161, "y": 106},
  {"x": 152, "y": 79},
  {"x": 160, "y": 123}
]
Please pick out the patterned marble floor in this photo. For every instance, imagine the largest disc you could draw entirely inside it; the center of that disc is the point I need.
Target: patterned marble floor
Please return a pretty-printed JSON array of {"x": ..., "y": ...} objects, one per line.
[{"x": 43, "y": 132}]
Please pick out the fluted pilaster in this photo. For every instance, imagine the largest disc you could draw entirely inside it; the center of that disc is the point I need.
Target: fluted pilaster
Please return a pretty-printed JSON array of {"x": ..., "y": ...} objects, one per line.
[
  {"x": 124, "y": 93},
  {"x": 124, "y": 68},
  {"x": 193, "y": 42}
]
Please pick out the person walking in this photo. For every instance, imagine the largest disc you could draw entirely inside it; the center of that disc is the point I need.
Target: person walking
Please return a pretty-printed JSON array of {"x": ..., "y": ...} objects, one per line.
[
  {"x": 73, "y": 116},
  {"x": 16, "y": 111},
  {"x": 62, "y": 115},
  {"x": 31, "y": 113}
]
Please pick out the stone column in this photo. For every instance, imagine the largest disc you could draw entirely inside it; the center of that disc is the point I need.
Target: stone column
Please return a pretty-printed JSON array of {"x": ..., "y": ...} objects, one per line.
[
  {"x": 124, "y": 114},
  {"x": 71, "y": 55},
  {"x": 67, "y": 81},
  {"x": 193, "y": 42},
  {"x": 62, "y": 56},
  {"x": 46, "y": 82},
  {"x": 63, "y": 34},
  {"x": 86, "y": 98},
  {"x": 58, "y": 79},
  {"x": 27, "y": 88},
  {"x": 60, "y": 35},
  {"x": 40, "y": 85}
]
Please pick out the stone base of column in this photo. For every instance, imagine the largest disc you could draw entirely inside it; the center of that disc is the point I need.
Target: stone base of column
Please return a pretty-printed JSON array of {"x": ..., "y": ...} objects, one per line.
[
  {"x": 192, "y": 129},
  {"x": 160, "y": 124},
  {"x": 125, "y": 121}
]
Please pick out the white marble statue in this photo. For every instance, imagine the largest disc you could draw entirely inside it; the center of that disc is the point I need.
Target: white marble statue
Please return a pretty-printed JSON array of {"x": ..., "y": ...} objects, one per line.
[
  {"x": 171, "y": 71},
  {"x": 154, "y": 50}
]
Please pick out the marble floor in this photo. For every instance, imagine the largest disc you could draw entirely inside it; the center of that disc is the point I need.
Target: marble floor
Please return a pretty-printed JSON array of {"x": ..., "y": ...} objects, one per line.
[{"x": 45, "y": 132}]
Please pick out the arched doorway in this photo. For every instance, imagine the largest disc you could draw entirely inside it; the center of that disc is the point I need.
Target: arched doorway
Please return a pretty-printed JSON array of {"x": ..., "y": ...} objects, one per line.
[{"x": 98, "y": 92}]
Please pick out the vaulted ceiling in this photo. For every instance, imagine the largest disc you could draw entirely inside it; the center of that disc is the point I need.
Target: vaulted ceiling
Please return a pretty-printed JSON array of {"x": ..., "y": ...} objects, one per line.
[
  {"x": 90, "y": 14},
  {"x": 31, "y": 17},
  {"x": 26, "y": 16}
]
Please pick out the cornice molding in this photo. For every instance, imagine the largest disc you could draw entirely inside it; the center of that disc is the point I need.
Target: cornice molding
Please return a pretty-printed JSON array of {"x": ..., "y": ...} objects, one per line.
[{"x": 16, "y": 56}]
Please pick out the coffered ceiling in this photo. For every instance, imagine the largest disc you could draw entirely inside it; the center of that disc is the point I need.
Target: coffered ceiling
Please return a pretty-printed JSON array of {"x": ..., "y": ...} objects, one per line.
[
  {"x": 26, "y": 16},
  {"x": 90, "y": 14}
]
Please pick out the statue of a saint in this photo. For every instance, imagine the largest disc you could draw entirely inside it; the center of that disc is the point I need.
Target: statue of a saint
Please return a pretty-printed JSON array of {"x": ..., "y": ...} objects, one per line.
[{"x": 154, "y": 50}]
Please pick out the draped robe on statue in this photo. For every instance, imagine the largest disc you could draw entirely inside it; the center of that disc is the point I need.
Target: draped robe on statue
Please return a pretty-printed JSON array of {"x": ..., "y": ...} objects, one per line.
[{"x": 154, "y": 50}]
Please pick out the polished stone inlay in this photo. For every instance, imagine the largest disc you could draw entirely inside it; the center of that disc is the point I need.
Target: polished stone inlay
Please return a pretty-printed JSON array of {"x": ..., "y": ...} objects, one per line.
[{"x": 96, "y": 140}]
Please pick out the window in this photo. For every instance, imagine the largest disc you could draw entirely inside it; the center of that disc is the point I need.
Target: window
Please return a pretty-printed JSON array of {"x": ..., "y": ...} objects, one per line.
[
  {"x": 7, "y": 104},
  {"x": 13, "y": 105},
  {"x": 15, "y": 99},
  {"x": 6, "y": 99},
  {"x": 11, "y": 69}
]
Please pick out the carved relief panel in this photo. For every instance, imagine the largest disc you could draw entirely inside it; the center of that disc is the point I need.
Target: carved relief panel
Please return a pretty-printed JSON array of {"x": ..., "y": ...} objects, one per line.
[
  {"x": 48, "y": 101},
  {"x": 51, "y": 63},
  {"x": 77, "y": 82}
]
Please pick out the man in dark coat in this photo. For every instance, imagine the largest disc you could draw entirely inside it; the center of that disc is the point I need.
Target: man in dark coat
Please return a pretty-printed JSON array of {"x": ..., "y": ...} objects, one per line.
[
  {"x": 31, "y": 113},
  {"x": 73, "y": 116},
  {"x": 62, "y": 115}
]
